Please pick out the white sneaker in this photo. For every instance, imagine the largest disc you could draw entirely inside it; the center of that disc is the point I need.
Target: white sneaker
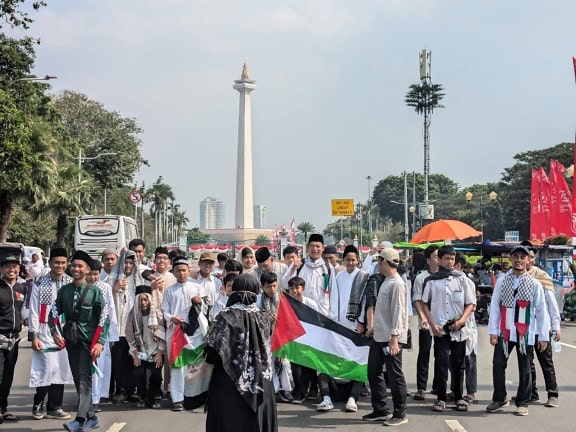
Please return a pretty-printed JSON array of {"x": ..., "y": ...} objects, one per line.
[
  {"x": 325, "y": 405},
  {"x": 351, "y": 405}
]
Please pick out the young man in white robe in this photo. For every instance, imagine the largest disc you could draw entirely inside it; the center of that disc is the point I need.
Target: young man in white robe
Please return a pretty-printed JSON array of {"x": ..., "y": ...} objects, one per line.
[
  {"x": 50, "y": 369},
  {"x": 176, "y": 304},
  {"x": 101, "y": 384},
  {"x": 346, "y": 298}
]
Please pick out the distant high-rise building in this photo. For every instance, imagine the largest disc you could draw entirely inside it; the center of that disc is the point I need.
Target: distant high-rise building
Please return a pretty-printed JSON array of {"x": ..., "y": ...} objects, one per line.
[
  {"x": 211, "y": 213},
  {"x": 260, "y": 216}
]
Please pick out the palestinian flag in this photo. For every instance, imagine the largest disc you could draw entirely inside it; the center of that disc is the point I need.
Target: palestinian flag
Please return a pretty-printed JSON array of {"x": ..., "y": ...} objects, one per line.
[
  {"x": 308, "y": 338},
  {"x": 186, "y": 350}
]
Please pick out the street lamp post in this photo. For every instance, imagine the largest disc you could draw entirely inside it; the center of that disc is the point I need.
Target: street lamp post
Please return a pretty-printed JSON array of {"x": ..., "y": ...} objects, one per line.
[
  {"x": 32, "y": 78},
  {"x": 81, "y": 159},
  {"x": 369, "y": 205},
  {"x": 492, "y": 195}
]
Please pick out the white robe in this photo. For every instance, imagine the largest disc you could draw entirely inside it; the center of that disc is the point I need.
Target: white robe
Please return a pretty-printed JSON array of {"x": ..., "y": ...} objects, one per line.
[
  {"x": 47, "y": 367},
  {"x": 101, "y": 385},
  {"x": 340, "y": 296}
]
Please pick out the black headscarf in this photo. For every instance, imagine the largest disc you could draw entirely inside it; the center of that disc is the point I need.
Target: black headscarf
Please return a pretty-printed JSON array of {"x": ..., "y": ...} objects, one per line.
[
  {"x": 245, "y": 289},
  {"x": 240, "y": 335}
]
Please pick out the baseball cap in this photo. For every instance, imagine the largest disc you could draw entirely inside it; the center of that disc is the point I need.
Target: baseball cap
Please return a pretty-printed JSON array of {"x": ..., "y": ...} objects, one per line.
[
  {"x": 10, "y": 259},
  {"x": 391, "y": 255},
  {"x": 520, "y": 248}
]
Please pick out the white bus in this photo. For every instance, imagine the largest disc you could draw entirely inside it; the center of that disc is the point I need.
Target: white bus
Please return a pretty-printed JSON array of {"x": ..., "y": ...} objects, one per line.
[{"x": 94, "y": 233}]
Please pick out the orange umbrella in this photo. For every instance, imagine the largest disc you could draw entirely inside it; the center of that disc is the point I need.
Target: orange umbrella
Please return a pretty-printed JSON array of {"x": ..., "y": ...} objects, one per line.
[{"x": 444, "y": 229}]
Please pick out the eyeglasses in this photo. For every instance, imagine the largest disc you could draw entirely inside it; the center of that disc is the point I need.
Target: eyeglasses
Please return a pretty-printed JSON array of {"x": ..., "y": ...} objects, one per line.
[{"x": 162, "y": 258}]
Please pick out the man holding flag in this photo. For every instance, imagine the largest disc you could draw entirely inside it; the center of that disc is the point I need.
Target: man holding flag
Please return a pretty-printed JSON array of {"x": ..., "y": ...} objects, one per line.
[
  {"x": 176, "y": 304},
  {"x": 85, "y": 313}
]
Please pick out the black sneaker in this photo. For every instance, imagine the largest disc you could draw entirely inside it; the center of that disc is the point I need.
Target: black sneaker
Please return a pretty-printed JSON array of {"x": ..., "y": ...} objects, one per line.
[
  {"x": 497, "y": 406},
  {"x": 377, "y": 415},
  {"x": 38, "y": 411},
  {"x": 285, "y": 396}
]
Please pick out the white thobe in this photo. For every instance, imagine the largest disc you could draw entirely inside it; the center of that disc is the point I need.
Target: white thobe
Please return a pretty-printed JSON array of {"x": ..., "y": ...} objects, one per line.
[
  {"x": 314, "y": 285},
  {"x": 101, "y": 385},
  {"x": 176, "y": 303},
  {"x": 47, "y": 367},
  {"x": 340, "y": 296}
]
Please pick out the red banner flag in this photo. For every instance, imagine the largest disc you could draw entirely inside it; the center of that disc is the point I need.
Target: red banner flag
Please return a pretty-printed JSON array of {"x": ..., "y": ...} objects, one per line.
[
  {"x": 292, "y": 231},
  {"x": 535, "y": 208},
  {"x": 563, "y": 199},
  {"x": 545, "y": 192},
  {"x": 574, "y": 166}
]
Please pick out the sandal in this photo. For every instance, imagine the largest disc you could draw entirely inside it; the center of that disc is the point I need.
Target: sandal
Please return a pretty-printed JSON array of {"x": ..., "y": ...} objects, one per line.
[
  {"x": 470, "y": 399},
  {"x": 9, "y": 417},
  {"x": 439, "y": 406},
  {"x": 461, "y": 405}
]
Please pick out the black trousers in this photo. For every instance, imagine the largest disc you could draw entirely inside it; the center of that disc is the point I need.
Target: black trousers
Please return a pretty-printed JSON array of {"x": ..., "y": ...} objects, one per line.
[
  {"x": 499, "y": 364},
  {"x": 8, "y": 361},
  {"x": 395, "y": 378},
  {"x": 339, "y": 392},
  {"x": 303, "y": 377},
  {"x": 423, "y": 361},
  {"x": 122, "y": 364},
  {"x": 449, "y": 356},
  {"x": 81, "y": 366},
  {"x": 547, "y": 365},
  {"x": 55, "y": 394},
  {"x": 147, "y": 388}
]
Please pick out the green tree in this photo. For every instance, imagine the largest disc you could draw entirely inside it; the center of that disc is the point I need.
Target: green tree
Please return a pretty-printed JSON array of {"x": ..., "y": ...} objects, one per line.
[
  {"x": 96, "y": 130},
  {"x": 30, "y": 134},
  {"x": 305, "y": 228},
  {"x": 195, "y": 236},
  {"x": 11, "y": 12},
  {"x": 262, "y": 240},
  {"x": 443, "y": 190}
]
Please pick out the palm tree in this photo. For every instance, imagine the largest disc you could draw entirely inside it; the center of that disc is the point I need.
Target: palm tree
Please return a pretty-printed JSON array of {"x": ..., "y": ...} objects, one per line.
[
  {"x": 158, "y": 195},
  {"x": 62, "y": 201},
  {"x": 305, "y": 227}
]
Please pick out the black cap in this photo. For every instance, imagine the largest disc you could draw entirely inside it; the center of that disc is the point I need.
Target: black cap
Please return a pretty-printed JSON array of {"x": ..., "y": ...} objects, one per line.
[
  {"x": 316, "y": 238},
  {"x": 143, "y": 289},
  {"x": 58, "y": 252},
  {"x": 83, "y": 256},
  {"x": 262, "y": 254},
  {"x": 350, "y": 249},
  {"x": 330, "y": 250}
]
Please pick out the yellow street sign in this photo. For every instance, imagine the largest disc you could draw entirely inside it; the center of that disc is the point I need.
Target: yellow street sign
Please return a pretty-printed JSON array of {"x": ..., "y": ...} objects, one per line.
[{"x": 342, "y": 207}]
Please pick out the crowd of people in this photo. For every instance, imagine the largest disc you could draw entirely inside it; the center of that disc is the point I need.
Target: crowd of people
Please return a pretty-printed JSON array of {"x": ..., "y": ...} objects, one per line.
[{"x": 107, "y": 326}]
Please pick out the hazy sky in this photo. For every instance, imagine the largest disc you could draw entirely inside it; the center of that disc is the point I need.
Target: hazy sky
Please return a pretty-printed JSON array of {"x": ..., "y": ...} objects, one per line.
[{"x": 331, "y": 76}]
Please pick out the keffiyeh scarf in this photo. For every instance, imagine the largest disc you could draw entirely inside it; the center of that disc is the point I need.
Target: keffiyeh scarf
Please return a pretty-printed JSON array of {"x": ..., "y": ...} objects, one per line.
[
  {"x": 515, "y": 306},
  {"x": 151, "y": 320},
  {"x": 46, "y": 291}
]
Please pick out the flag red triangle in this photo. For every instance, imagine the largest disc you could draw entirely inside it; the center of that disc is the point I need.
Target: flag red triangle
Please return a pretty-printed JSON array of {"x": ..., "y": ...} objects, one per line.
[
  {"x": 177, "y": 344},
  {"x": 288, "y": 326}
]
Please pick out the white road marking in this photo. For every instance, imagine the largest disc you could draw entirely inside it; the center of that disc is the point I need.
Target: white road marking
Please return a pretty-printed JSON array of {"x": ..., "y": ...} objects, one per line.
[
  {"x": 567, "y": 345},
  {"x": 116, "y": 427},
  {"x": 455, "y": 426}
]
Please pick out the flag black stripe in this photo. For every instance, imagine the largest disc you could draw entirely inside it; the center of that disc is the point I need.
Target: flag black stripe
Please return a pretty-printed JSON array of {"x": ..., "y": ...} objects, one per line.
[{"x": 308, "y": 315}]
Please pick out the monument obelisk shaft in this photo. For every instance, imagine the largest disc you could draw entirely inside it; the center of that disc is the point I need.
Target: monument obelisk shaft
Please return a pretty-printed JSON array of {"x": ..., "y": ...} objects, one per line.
[{"x": 244, "y": 196}]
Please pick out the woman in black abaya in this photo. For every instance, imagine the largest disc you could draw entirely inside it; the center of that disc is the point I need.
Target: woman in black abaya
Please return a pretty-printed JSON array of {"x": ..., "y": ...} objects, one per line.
[{"x": 241, "y": 394}]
